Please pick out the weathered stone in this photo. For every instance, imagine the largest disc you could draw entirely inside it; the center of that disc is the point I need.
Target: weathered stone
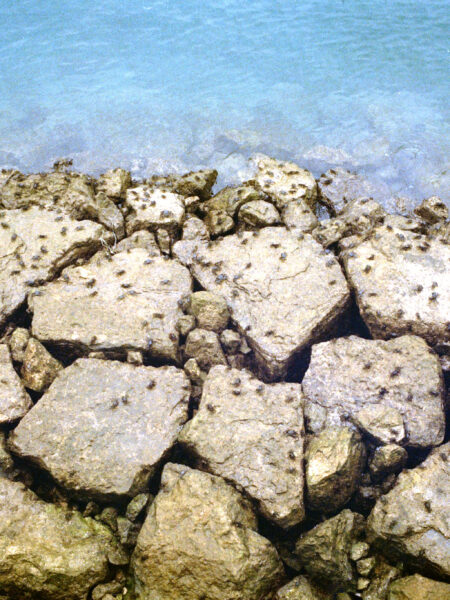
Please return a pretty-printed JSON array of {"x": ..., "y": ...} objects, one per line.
[
  {"x": 185, "y": 324},
  {"x": 387, "y": 459},
  {"x": 49, "y": 552},
  {"x": 359, "y": 550},
  {"x": 324, "y": 550},
  {"x": 164, "y": 240},
  {"x": 334, "y": 461},
  {"x": 381, "y": 578},
  {"x": 200, "y": 541},
  {"x": 194, "y": 183},
  {"x": 136, "y": 506},
  {"x": 127, "y": 531},
  {"x": 18, "y": 343},
  {"x": 218, "y": 222},
  {"x": 109, "y": 215},
  {"x": 153, "y": 209},
  {"x": 347, "y": 375},
  {"x": 283, "y": 292},
  {"x": 365, "y": 566},
  {"x": 14, "y": 401},
  {"x": 210, "y": 310},
  {"x": 127, "y": 301},
  {"x": 361, "y": 214},
  {"x": 193, "y": 371},
  {"x": 6, "y": 461},
  {"x": 39, "y": 368},
  {"x": 401, "y": 284},
  {"x": 134, "y": 357},
  {"x": 432, "y": 210},
  {"x": 204, "y": 346},
  {"x": 416, "y": 587},
  {"x": 420, "y": 534},
  {"x": 108, "y": 516},
  {"x": 112, "y": 587},
  {"x": 231, "y": 341},
  {"x": 195, "y": 236},
  {"x": 298, "y": 216},
  {"x": 114, "y": 183},
  {"x": 382, "y": 423},
  {"x": 330, "y": 231},
  {"x": 112, "y": 423},
  {"x": 302, "y": 589},
  {"x": 35, "y": 245},
  {"x": 140, "y": 239},
  {"x": 230, "y": 199},
  {"x": 252, "y": 435},
  {"x": 259, "y": 213}
]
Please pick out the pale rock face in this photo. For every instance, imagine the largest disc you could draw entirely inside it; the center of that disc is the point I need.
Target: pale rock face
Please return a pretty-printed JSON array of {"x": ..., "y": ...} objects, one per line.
[
  {"x": 39, "y": 368},
  {"x": 299, "y": 217},
  {"x": 259, "y": 214},
  {"x": 112, "y": 423},
  {"x": 218, "y": 222},
  {"x": 349, "y": 376},
  {"x": 230, "y": 199},
  {"x": 14, "y": 401},
  {"x": 199, "y": 540},
  {"x": 416, "y": 587},
  {"x": 302, "y": 589},
  {"x": 210, "y": 310},
  {"x": 114, "y": 183},
  {"x": 432, "y": 210},
  {"x": 204, "y": 346},
  {"x": 387, "y": 459},
  {"x": 153, "y": 209},
  {"x": 18, "y": 343},
  {"x": 252, "y": 435},
  {"x": 195, "y": 183}
]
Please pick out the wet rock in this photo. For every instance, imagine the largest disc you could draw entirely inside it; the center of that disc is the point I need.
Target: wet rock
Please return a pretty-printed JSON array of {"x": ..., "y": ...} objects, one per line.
[
  {"x": 432, "y": 210},
  {"x": 231, "y": 341},
  {"x": 252, "y": 435},
  {"x": 381, "y": 578},
  {"x": 49, "y": 552},
  {"x": 35, "y": 245},
  {"x": 283, "y": 292},
  {"x": 348, "y": 375},
  {"x": 14, "y": 401},
  {"x": 204, "y": 346},
  {"x": 119, "y": 421},
  {"x": 387, "y": 459},
  {"x": 416, "y": 587},
  {"x": 302, "y": 589},
  {"x": 231, "y": 561},
  {"x": 401, "y": 284},
  {"x": 39, "y": 368},
  {"x": 18, "y": 343},
  {"x": 123, "y": 302},
  {"x": 230, "y": 199},
  {"x": 298, "y": 216},
  {"x": 259, "y": 214},
  {"x": 153, "y": 209},
  {"x": 210, "y": 310},
  {"x": 334, "y": 461},
  {"x": 421, "y": 533},
  {"x": 218, "y": 223},
  {"x": 324, "y": 550},
  {"x": 114, "y": 183}
]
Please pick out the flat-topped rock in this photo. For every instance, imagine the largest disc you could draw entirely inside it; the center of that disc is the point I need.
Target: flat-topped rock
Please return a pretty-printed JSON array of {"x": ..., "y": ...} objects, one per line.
[
  {"x": 153, "y": 209},
  {"x": 14, "y": 401},
  {"x": 396, "y": 379},
  {"x": 35, "y": 245},
  {"x": 199, "y": 540},
  {"x": 127, "y": 301},
  {"x": 402, "y": 284},
  {"x": 252, "y": 435},
  {"x": 283, "y": 291},
  {"x": 112, "y": 423}
]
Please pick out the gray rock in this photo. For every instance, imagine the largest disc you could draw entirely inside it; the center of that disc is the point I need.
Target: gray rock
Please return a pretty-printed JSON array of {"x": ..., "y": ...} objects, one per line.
[
  {"x": 14, "y": 401},
  {"x": 18, "y": 343},
  {"x": 109, "y": 215},
  {"x": 387, "y": 459},
  {"x": 204, "y": 346},
  {"x": 39, "y": 368},
  {"x": 231, "y": 341},
  {"x": 140, "y": 239},
  {"x": 210, "y": 310},
  {"x": 164, "y": 239},
  {"x": 200, "y": 541},
  {"x": 259, "y": 213},
  {"x": 114, "y": 183},
  {"x": 302, "y": 589},
  {"x": 117, "y": 420},
  {"x": 153, "y": 209},
  {"x": 330, "y": 231},
  {"x": 348, "y": 375},
  {"x": 252, "y": 435},
  {"x": 432, "y": 210}
]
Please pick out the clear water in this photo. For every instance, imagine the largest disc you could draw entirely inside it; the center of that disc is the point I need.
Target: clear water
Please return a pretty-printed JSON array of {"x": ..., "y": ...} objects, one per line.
[{"x": 159, "y": 85}]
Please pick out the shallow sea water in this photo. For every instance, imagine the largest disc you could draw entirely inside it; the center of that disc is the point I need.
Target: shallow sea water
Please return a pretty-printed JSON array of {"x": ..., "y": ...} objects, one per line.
[{"x": 159, "y": 86}]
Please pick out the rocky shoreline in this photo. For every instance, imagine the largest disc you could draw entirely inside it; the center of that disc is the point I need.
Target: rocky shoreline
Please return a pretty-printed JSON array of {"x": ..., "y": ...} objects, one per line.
[{"x": 218, "y": 396}]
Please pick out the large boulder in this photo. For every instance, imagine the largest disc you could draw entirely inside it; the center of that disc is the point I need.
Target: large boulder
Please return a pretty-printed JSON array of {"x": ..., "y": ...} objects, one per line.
[
  {"x": 252, "y": 435},
  {"x": 112, "y": 423},
  {"x": 393, "y": 390},
  {"x": 412, "y": 521},
  {"x": 14, "y": 401},
  {"x": 199, "y": 540},
  {"x": 282, "y": 290}
]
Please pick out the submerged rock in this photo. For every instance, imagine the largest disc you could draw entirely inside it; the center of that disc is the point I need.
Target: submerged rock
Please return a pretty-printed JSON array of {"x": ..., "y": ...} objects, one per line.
[
  {"x": 14, "y": 401},
  {"x": 416, "y": 587}
]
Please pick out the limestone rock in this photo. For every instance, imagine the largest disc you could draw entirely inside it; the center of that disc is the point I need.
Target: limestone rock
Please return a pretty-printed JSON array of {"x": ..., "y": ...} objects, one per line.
[
  {"x": 420, "y": 534},
  {"x": 432, "y": 210},
  {"x": 330, "y": 231},
  {"x": 230, "y": 199},
  {"x": 6, "y": 461},
  {"x": 218, "y": 222},
  {"x": 136, "y": 506},
  {"x": 109, "y": 215},
  {"x": 49, "y": 552},
  {"x": 231, "y": 341},
  {"x": 204, "y": 346},
  {"x": 382, "y": 423},
  {"x": 14, "y": 401},
  {"x": 348, "y": 375},
  {"x": 185, "y": 324},
  {"x": 140, "y": 239},
  {"x": 302, "y": 589},
  {"x": 39, "y": 368},
  {"x": 387, "y": 459},
  {"x": 200, "y": 541},
  {"x": 298, "y": 216},
  {"x": 18, "y": 343},
  {"x": 114, "y": 183},
  {"x": 210, "y": 310},
  {"x": 164, "y": 239},
  {"x": 194, "y": 183},
  {"x": 112, "y": 423},
  {"x": 283, "y": 292},
  {"x": 401, "y": 284},
  {"x": 252, "y": 435},
  {"x": 123, "y": 302},
  {"x": 381, "y": 578},
  {"x": 153, "y": 209},
  {"x": 334, "y": 462},
  {"x": 416, "y": 587},
  {"x": 259, "y": 213}
]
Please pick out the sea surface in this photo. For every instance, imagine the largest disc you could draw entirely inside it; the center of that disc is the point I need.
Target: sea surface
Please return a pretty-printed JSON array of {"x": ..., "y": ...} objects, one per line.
[{"x": 159, "y": 86}]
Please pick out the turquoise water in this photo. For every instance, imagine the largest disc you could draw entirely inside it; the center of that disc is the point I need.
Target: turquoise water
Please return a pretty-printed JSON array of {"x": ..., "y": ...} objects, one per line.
[{"x": 160, "y": 86}]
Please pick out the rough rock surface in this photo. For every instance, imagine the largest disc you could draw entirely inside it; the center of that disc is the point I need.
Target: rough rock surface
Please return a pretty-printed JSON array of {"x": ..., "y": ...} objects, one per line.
[
  {"x": 210, "y": 310},
  {"x": 204, "y": 346},
  {"x": 39, "y": 368},
  {"x": 111, "y": 422},
  {"x": 127, "y": 301},
  {"x": 282, "y": 291},
  {"x": 302, "y": 589},
  {"x": 199, "y": 540},
  {"x": 298, "y": 216},
  {"x": 417, "y": 587},
  {"x": 401, "y": 283},
  {"x": 48, "y": 552},
  {"x": 387, "y": 459},
  {"x": 259, "y": 213},
  {"x": 218, "y": 222},
  {"x": 334, "y": 462},
  {"x": 194, "y": 183},
  {"x": 412, "y": 520},
  {"x": 114, "y": 183},
  {"x": 14, "y": 401},
  {"x": 230, "y": 199},
  {"x": 18, "y": 343},
  {"x": 432, "y": 210},
  {"x": 252, "y": 435},
  {"x": 347, "y": 375},
  {"x": 153, "y": 209}
]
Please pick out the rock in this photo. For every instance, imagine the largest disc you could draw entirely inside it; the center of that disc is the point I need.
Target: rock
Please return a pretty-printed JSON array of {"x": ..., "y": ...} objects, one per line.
[
  {"x": 39, "y": 368},
  {"x": 401, "y": 284},
  {"x": 127, "y": 531},
  {"x": 14, "y": 401},
  {"x": 49, "y": 552},
  {"x": 348, "y": 375},
  {"x": 416, "y": 587},
  {"x": 334, "y": 462},
  {"x": 387, "y": 459},
  {"x": 210, "y": 310},
  {"x": 153, "y": 209},
  {"x": 112, "y": 587},
  {"x": 123, "y": 302},
  {"x": 420, "y": 534},
  {"x": 251, "y": 434},
  {"x": 359, "y": 550},
  {"x": 119, "y": 421},
  {"x": 324, "y": 550},
  {"x": 195, "y": 236},
  {"x": 302, "y": 589},
  {"x": 204, "y": 346},
  {"x": 114, "y": 183},
  {"x": 193, "y": 371},
  {"x": 365, "y": 566},
  {"x": 185, "y": 324},
  {"x": 35, "y": 245},
  {"x": 230, "y": 199},
  {"x": 231, "y": 341},
  {"x": 218, "y": 223},
  {"x": 381, "y": 578},
  {"x": 134, "y": 357},
  {"x": 108, "y": 516},
  {"x": 298, "y": 216},
  {"x": 194, "y": 183},
  {"x": 6, "y": 461},
  {"x": 109, "y": 215},
  {"x": 231, "y": 561},
  {"x": 282, "y": 292},
  {"x": 18, "y": 343},
  {"x": 164, "y": 240},
  {"x": 432, "y": 210},
  {"x": 139, "y": 239},
  {"x": 136, "y": 506},
  {"x": 382, "y": 423},
  {"x": 259, "y": 214},
  {"x": 330, "y": 231}
]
